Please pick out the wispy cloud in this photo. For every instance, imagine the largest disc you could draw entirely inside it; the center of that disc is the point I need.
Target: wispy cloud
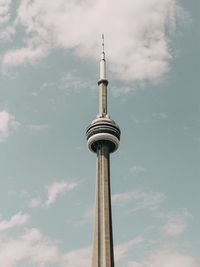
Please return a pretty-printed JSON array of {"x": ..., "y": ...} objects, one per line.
[
  {"x": 16, "y": 220},
  {"x": 144, "y": 28},
  {"x": 4, "y": 9},
  {"x": 122, "y": 249},
  {"x": 153, "y": 118},
  {"x": 7, "y": 122},
  {"x": 7, "y": 28},
  {"x": 58, "y": 188},
  {"x": 31, "y": 247},
  {"x": 141, "y": 199},
  {"x": 121, "y": 90},
  {"x": 175, "y": 223},
  {"x": 168, "y": 257},
  {"x": 37, "y": 127},
  {"x": 34, "y": 248},
  {"x": 174, "y": 227},
  {"x": 136, "y": 169},
  {"x": 53, "y": 191},
  {"x": 23, "y": 55},
  {"x": 159, "y": 116},
  {"x": 70, "y": 81},
  {"x": 35, "y": 202},
  {"x": 78, "y": 258},
  {"x": 87, "y": 215},
  {"x": 82, "y": 257}
]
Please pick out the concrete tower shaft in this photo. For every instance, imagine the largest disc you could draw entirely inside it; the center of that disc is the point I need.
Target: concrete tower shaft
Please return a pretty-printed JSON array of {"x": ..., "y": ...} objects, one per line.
[
  {"x": 103, "y": 137},
  {"x": 103, "y": 255}
]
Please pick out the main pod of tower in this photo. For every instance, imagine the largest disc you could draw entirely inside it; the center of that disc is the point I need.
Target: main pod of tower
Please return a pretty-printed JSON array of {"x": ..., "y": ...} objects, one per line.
[{"x": 103, "y": 137}]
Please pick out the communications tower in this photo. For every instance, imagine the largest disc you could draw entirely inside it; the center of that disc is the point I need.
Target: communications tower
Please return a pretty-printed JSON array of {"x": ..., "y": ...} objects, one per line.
[{"x": 103, "y": 137}]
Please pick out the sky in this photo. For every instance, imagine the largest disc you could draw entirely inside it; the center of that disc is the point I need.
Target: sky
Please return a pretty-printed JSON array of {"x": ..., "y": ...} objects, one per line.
[{"x": 49, "y": 68}]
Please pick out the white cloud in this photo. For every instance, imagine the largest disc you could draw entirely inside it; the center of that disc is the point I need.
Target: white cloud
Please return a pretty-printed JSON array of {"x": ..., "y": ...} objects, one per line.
[
  {"x": 37, "y": 127},
  {"x": 4, "y": 11},
  {"x": 174, "y": 227},
  {"x": 141, "y": 200},
  {"x": 35, "y": 202},
  {"x": 32, "y": 247},
  {"x": 167, "y": 257},
  {"x": 23, "y": 55},
  {"x": 138, "y": 32},
  {"x": 54, "y": 190},
  {"x": 159, "y": 116},
  {"x": 57, "y": 188},
  {"x": 122, "y": 249},
  {"x": 7, "y": 29},
  {"x": 7, "y": 122},
  {"x": 82, "y": 257},
  {"x": 71, "y": 81},
  {"x": 78, "y": 258},
  {"x": 16, "y": 220},
  {"x": 123, "y": 196},
  {"x": 175, "y": 223},
  {"x": 122, "y": 90},
  {"x": 136, "y": 169},
  {"x": 87, "y": 216}
]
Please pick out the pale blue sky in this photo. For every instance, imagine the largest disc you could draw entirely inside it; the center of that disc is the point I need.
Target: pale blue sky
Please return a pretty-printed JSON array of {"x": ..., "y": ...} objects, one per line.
[{"x": 49, "y": 56}]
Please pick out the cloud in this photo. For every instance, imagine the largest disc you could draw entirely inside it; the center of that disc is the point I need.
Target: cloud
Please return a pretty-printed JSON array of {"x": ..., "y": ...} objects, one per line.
[
  {"x": 78, "y": 258},
  {"x": 138, "y": 32},
  {"x": 159, "y": 116},
  {"x": 23, "y": 55},
  {"x": 153, "y": 118},
  {"x": 35, "y": 202},
  {"x": 35, "y": 249},
  {"x": 31, "y": 247},
  {"x": 142, "y": 200},
  {"x": 6, "y": 29},
  {"x": 71, "y": 80},
  {"x": 7, "y": 122},
  {"x": 37, "y": 127},
  {"x": 82, "y": 257},
  {"x": 54, "y": 190},
  {"x": 136, "y": 169},
  {"x": 87, "y": 216},
  {"x": 174, "y": 227},
  {"x": 166, "y": 257},
  {"x": 175, "y": 223},
  {"x": 16, "y": 220},
  {"x": 4, "y": 10},
  {"x": 122, "y": 249},
  {"x": 57, "y": 188},
  {"x": 123, "y": 196}
]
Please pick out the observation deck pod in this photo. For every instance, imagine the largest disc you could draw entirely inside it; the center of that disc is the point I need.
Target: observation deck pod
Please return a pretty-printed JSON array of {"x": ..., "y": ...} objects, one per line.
[{"x": 103, "y": 130}]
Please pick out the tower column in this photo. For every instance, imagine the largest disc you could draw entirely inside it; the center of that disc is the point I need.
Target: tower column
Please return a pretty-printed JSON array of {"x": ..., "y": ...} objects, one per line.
[{"x": 103, "y": 255}]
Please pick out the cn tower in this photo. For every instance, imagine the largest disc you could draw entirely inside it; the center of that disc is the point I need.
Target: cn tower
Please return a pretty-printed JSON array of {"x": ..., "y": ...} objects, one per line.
[{"x": 103, "y": 137}]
